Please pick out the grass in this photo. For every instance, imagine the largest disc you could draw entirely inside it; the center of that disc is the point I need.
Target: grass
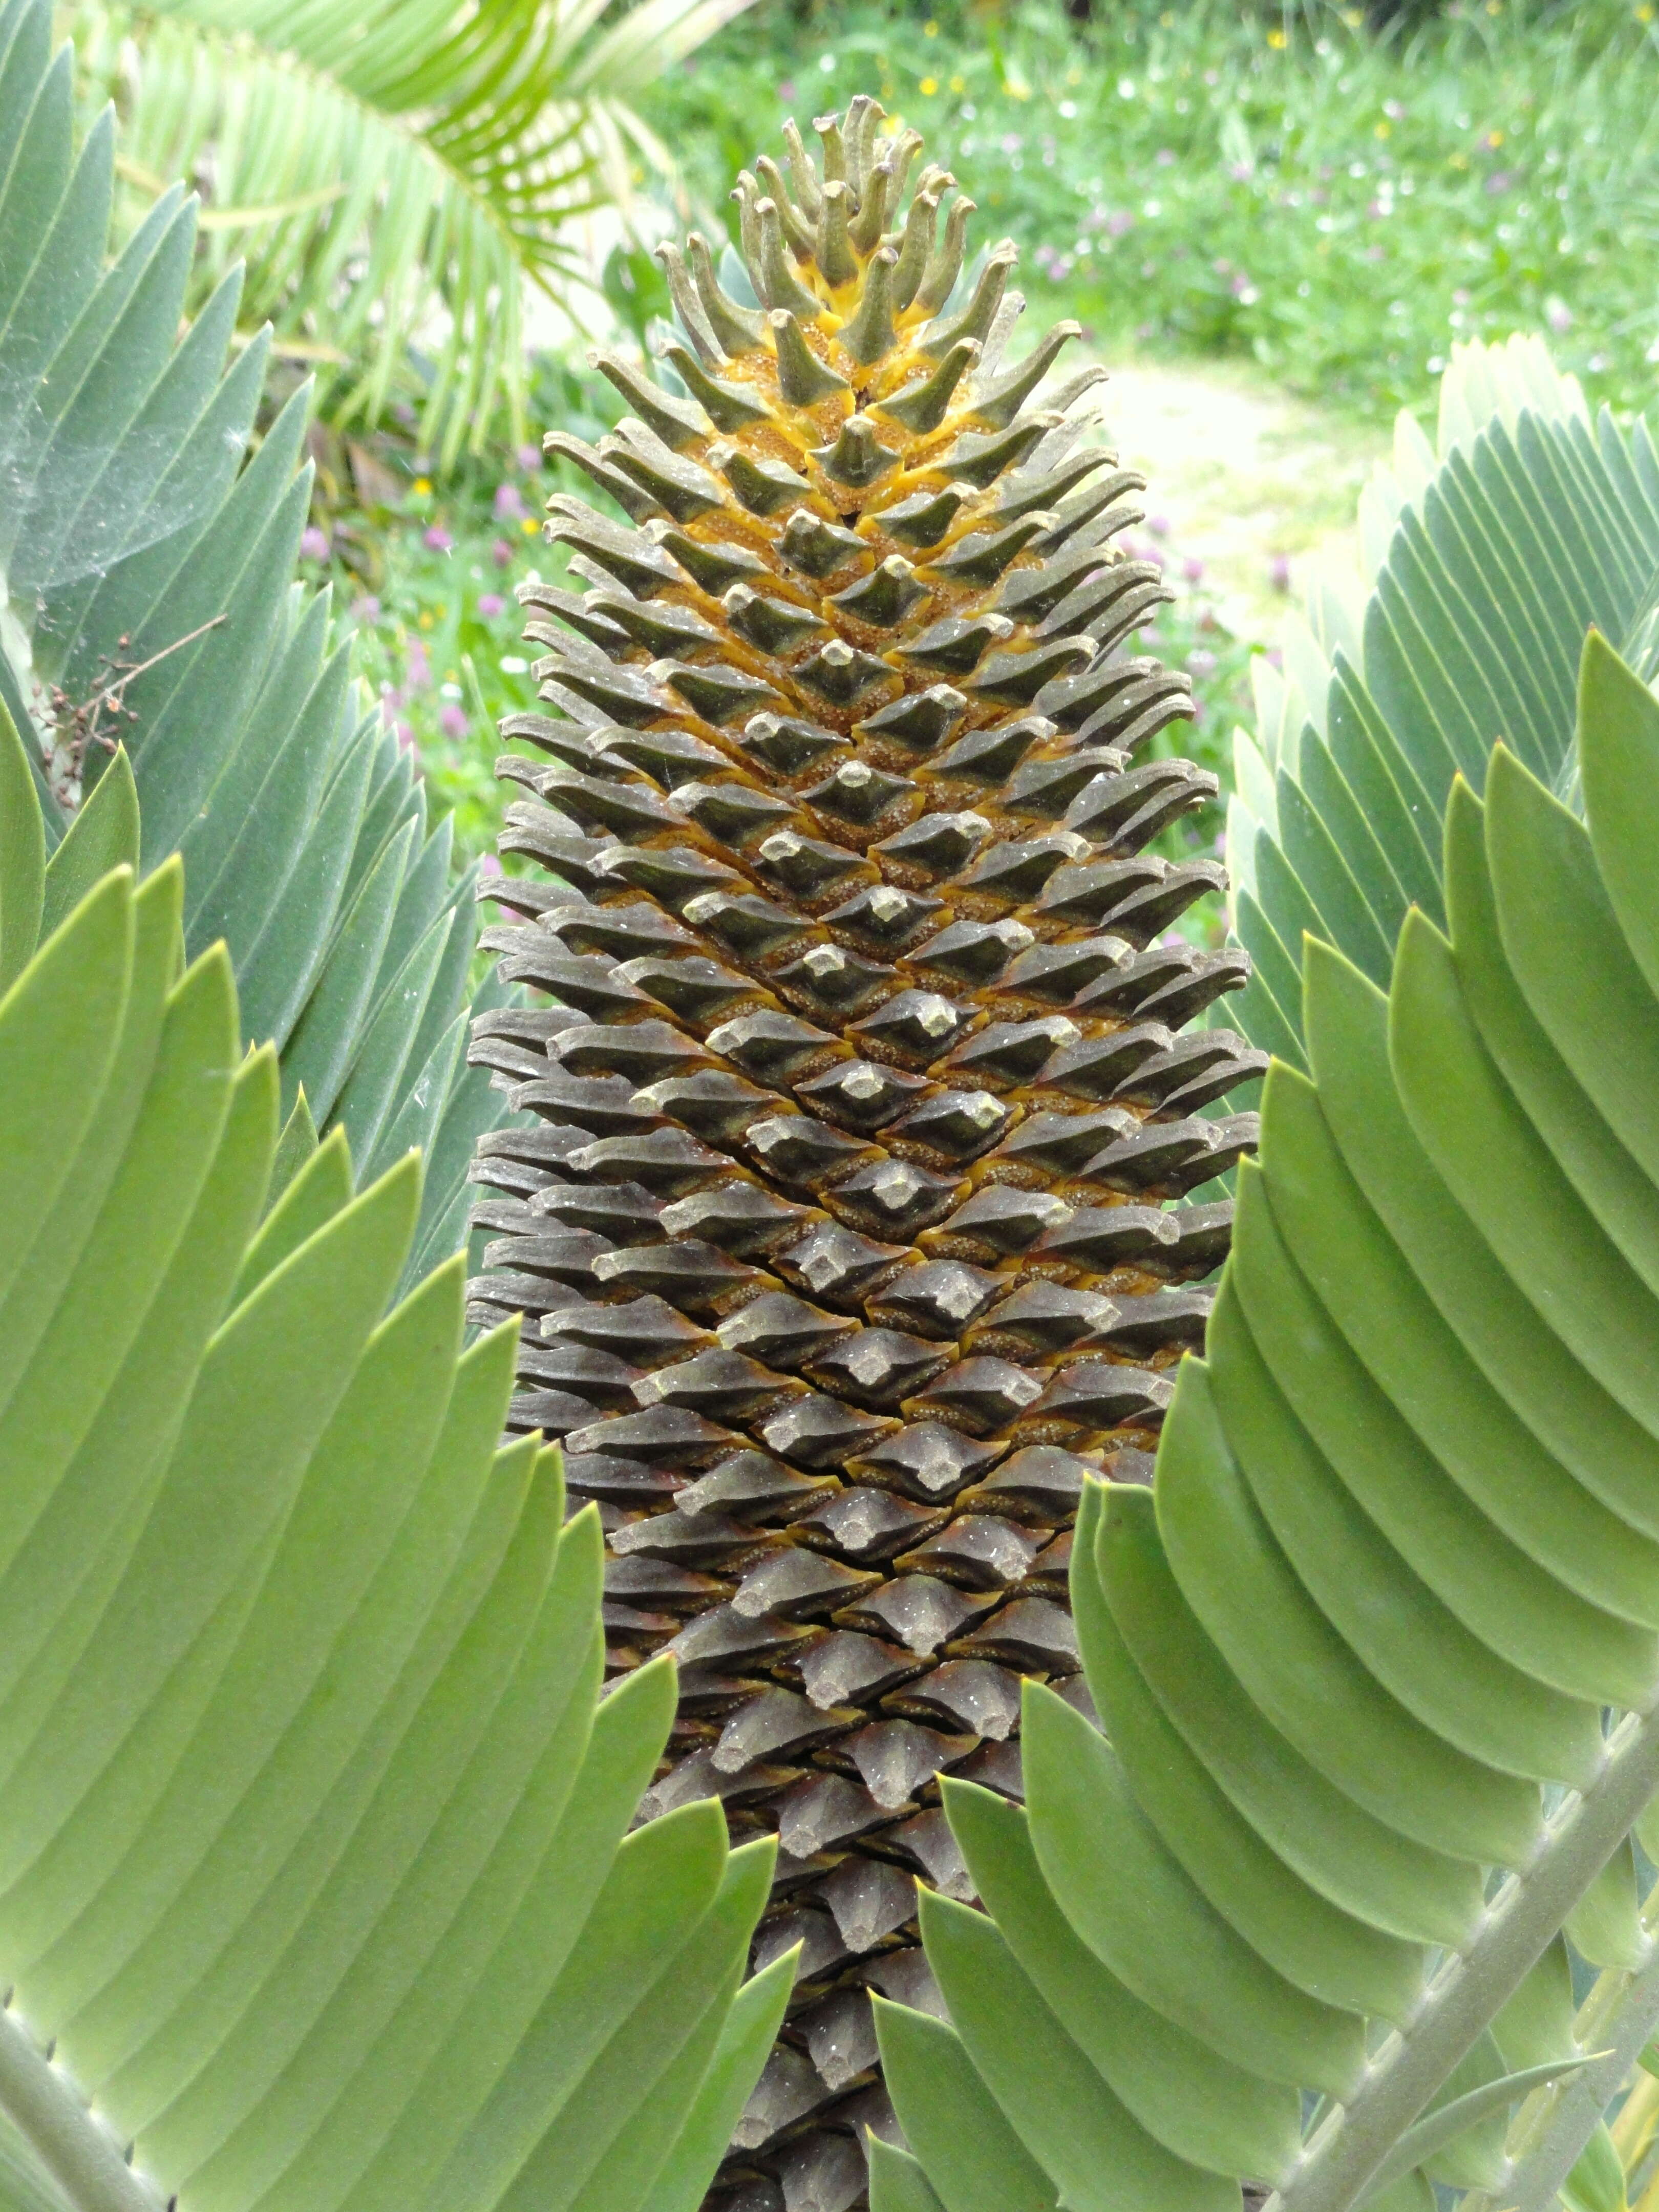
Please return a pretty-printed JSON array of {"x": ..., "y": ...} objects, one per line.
[
  {"x": 1226, "y": 179},
  {"x": 1197, "y": 181}
]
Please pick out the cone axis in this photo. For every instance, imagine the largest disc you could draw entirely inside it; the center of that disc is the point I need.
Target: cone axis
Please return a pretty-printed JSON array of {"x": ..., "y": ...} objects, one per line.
[{"x": 849, "y": 1239}]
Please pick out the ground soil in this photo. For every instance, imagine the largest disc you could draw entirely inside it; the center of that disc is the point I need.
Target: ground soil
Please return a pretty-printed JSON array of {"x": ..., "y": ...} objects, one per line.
[{"x": 1242, "y": 473}]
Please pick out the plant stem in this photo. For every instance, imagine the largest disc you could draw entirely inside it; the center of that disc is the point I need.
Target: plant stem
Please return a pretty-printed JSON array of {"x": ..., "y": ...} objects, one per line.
[
  {"x": 1522, "y": 1920},
  {"x": 69, "y": 2140},
  {"x": 1548, "y": 2145}
]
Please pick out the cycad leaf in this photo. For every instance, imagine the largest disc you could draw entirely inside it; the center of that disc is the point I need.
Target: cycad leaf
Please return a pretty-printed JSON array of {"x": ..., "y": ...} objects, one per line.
[
  {"x": 1429, "y": 1377},
  {"x": 103, "y": 835},
  {"x": 314, "y": 1875},
  {"x": 395, "y": 167},
  {"x": 22, "y": 856},
  {"x": 161, "y": 659},
  {"x": 1493, "y": 560}
]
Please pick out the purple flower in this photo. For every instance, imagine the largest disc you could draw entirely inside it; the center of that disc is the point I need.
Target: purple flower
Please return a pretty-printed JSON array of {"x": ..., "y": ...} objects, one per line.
[
  {"x": 1278, "y": 572},
  {"x": 1164, "y": 158},
  {"x": 420, "y": 668},
  {"x": 406, "y": 737},
  {"x": 489, "y": 865},
  {"x": 510, "y": 503},
  {"x": 451, "y": 720},
  {"x": 1241, "y": 173},
  {"x": 366, "y": 609},
  {"x": 1394, "y": 111},
  {"x": 1159, "y": 525},
  {"x": 786, "y": 90},
  {"x": 490, "y": 605},
  {"x": 1193, "y": 569},
  {"x": 1559, "y": 315},
  {"x": 502, "y": 553},
  {"x": 313, "y": 543},
  {"x": 438, "y": 539},
  {"x": 390, "y": 700},
  {"x": 529, "y": 458},
  {"x": 1500, "y": 181},
  {"x": 1200, "y": 662},
  {"x": 1119, "y": 221}
]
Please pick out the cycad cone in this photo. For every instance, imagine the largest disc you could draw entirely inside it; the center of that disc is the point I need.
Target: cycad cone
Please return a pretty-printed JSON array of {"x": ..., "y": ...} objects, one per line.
[{"x": 843, "y": 1242}]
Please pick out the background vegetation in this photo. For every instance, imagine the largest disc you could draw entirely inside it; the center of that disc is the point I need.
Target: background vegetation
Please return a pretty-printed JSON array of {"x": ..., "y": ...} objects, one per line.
[{"x": 1208, "y": 181}]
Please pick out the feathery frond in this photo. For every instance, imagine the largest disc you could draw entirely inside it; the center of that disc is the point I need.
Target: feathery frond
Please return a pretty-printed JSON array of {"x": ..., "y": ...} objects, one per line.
[{"x": 394, "y": 171}]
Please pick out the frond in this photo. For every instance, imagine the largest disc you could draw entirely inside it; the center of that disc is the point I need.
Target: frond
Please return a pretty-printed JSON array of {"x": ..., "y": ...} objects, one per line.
[{"x": 392, "y": 175}]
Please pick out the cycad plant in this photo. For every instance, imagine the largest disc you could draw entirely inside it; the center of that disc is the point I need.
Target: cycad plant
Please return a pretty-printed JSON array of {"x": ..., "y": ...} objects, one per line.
[
  {"x": 848, "y": 1242},
  {"x": 315, "y": 1882},
  {"x": 397, "y": 170},
  {"x": 1376, "y": 1657}
]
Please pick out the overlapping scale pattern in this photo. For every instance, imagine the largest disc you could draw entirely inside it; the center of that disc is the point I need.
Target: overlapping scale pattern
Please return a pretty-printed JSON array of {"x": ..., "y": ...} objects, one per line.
[{"x": 849, "y": 1237}]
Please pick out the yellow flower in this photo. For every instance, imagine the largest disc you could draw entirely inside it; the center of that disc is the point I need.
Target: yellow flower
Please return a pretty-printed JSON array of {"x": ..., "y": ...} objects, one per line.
[
  {"x": 958, "y": 84},
  {"x": 423, "y": 485},
  {"x": 530, "y": 526},
  {"x": 425, "y": 621},
  {"x": 1275, "y": 38},
  {"x": 1383, "y": 129},
  {"x": 930, "y": 29},
  {"x": 1644, "y": 14},
  {"x": 929, "y": 87}
]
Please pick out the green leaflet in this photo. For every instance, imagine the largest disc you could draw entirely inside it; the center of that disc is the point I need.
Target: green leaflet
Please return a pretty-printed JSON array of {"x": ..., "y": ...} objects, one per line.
[
  {"x": 1621, "y": 796},
  {"x": 972, "y": 2156},
  {"x": 1494, "y": 1387},
  {"x": 1385, "y": 1618},
  {"x": 745, "y": 2041},
  {"x": 1345, "y": 1960},
  {"x": 1336, "y": 1843},
  {"x": 1188, "y": 2096},
  {"x": 1502, "y": 1174},
  {"x": 1304, "y": 1676},
  {"x": 103, "y": 835},
  {"x": 22, "y": 855},
  {"x": 1606, "y": 1177},
  {"x": 1099, "y": 2158},
  {"x": 1410, "y": 1640},
  {"x": 314, "y": 1851},
  {"x": 898, "y": 2183}
]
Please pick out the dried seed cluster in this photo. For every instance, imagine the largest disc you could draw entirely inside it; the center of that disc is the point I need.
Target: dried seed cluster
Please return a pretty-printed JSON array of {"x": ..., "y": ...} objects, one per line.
[{"x": 847, "y": 1242}]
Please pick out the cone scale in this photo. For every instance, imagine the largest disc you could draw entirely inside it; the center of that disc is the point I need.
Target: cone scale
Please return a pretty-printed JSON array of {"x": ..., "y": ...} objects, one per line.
[{"x": 849, "y": 1239}]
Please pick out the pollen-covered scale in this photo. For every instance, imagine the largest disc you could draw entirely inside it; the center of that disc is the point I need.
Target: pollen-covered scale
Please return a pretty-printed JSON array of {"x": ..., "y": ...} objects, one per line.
[{"x": 852, "y": 1233}]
